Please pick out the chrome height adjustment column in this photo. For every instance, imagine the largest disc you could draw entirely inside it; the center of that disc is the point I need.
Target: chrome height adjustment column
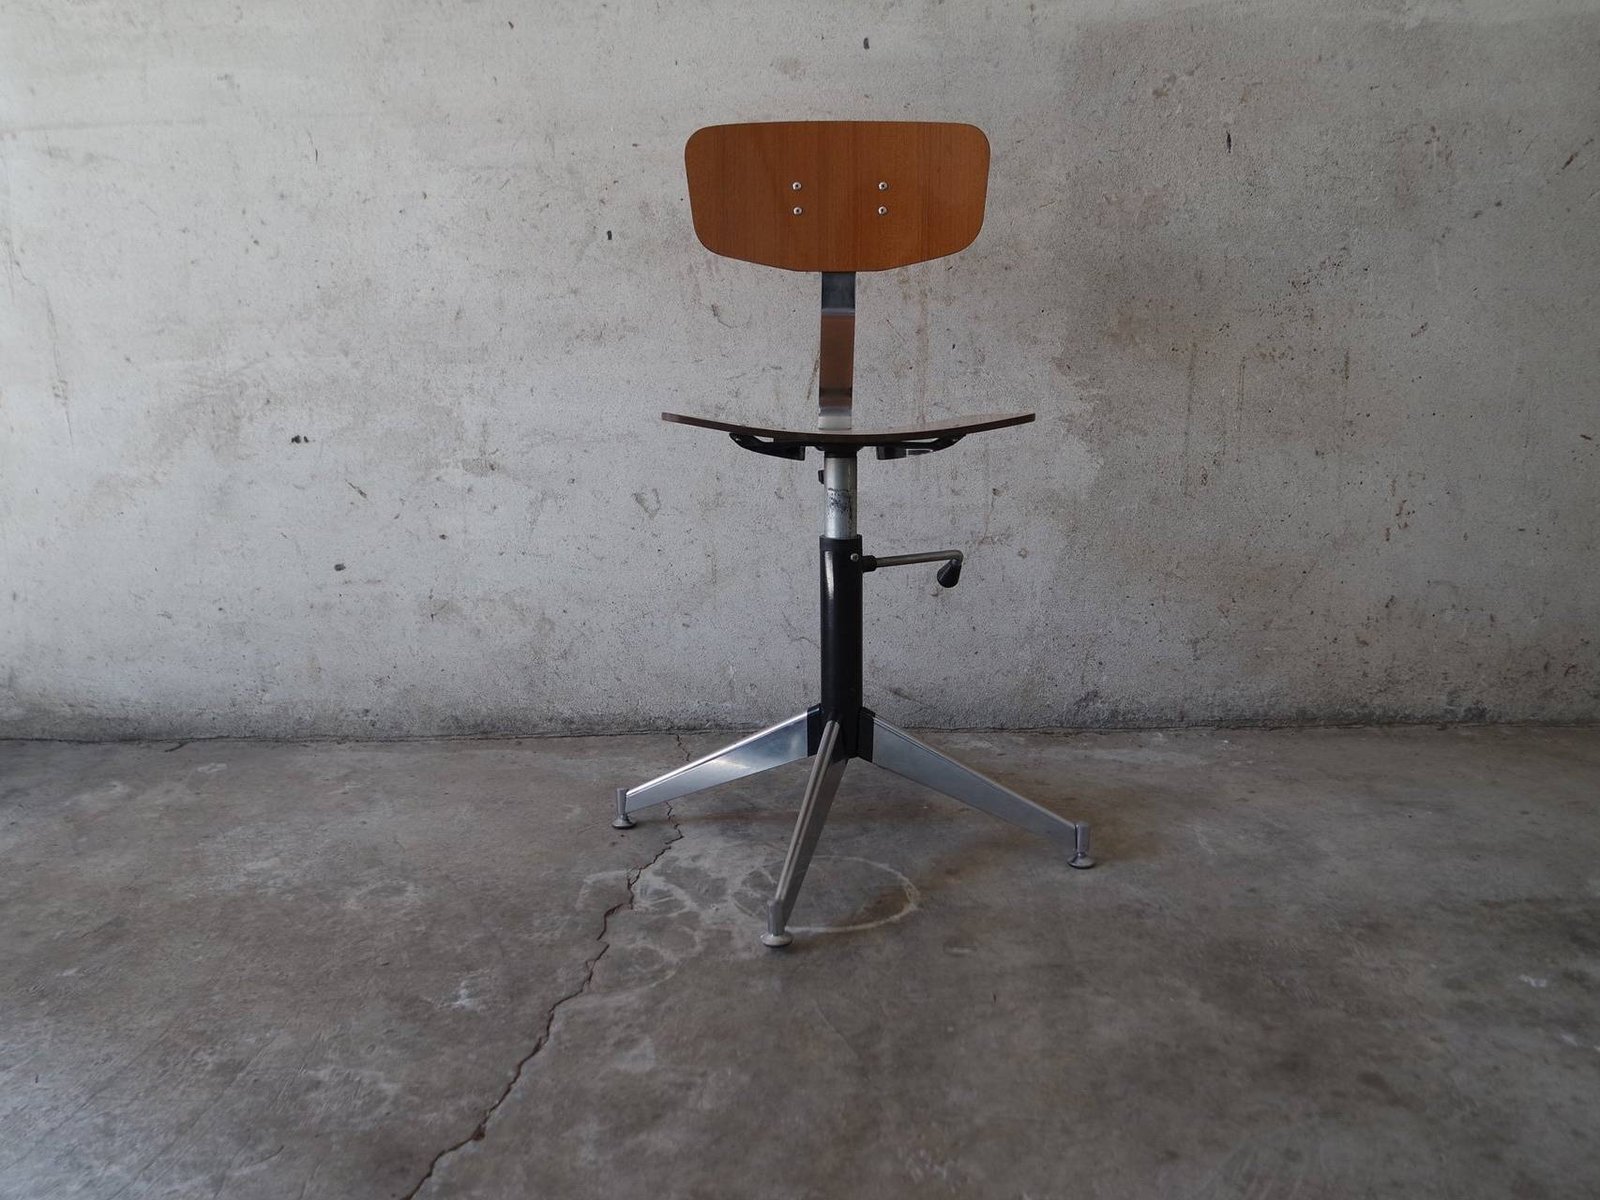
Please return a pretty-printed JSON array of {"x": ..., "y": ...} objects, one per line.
[{"x": 839, "y": 481}]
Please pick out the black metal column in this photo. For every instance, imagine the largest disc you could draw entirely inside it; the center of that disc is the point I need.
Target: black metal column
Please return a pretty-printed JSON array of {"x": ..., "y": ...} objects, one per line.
[{"x": 841, "y": 628}]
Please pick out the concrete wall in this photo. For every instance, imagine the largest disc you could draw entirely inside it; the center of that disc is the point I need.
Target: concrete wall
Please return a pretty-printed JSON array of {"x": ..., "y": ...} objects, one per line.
[{"x": 332, "y": 338}]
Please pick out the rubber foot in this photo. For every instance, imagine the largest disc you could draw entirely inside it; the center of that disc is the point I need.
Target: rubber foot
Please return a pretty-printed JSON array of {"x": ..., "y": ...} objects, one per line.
[
  {"x": 775, "y": 941},
  {"x": 622, "y": 823}
]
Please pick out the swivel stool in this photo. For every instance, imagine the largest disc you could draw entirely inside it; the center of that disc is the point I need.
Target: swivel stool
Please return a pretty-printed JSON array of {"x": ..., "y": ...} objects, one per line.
[{"x": 838, "y": 197}]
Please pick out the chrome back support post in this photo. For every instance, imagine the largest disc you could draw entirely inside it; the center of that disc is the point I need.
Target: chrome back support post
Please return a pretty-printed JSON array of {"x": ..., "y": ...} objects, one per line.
[{"x": 836, "y": 361}]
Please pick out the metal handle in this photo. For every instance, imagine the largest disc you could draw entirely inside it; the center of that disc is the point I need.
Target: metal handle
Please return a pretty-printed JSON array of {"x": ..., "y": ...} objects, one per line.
[{"x": 949, "y": 574}]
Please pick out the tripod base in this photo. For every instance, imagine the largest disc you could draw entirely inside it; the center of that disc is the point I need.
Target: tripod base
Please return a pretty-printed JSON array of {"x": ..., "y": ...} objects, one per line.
[{"x": 826, "y": 740}]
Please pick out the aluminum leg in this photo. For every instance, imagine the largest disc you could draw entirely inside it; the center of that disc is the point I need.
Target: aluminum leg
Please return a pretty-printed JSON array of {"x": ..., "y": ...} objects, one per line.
[
  {"x": 826, "y": 770},
  {"x": 772, "y": 747},
  {"x": 897, "y": 751}
]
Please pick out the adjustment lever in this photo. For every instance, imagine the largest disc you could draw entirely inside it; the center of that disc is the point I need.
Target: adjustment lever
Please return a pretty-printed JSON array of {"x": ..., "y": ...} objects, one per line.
[{"x": 949, "y": 575}]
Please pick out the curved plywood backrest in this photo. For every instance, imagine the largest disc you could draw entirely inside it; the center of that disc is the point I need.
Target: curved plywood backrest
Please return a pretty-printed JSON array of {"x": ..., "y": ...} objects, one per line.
[{"x": 837, "y": 195}]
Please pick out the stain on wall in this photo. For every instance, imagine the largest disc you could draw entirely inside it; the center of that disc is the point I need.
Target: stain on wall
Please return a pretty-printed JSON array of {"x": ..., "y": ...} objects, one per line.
[{"x": 332, "y": 340}]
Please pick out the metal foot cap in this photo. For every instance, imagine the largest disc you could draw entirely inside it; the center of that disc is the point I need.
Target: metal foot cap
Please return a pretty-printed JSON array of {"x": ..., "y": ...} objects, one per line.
[
  {"x": 622, "y": 823},
  {"x": 1081, "y": 861},
  {"x": 776, "y": 941}
]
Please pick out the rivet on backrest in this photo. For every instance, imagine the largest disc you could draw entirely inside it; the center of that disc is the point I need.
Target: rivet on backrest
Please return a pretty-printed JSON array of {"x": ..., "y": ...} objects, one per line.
[
  {"x": 882, "y": 186},
  {"x": 882, "y": 211},
  {"x": 798, "y": 210},
  {"x": 796, "y": 185}
]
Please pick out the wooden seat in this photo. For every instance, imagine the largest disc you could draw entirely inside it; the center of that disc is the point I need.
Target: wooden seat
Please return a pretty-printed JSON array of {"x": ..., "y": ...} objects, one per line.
[{"x": 890, "y": 443}]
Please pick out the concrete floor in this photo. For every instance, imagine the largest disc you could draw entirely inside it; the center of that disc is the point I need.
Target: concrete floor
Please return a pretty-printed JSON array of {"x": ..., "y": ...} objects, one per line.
[{"x": 1328, "y": 963}]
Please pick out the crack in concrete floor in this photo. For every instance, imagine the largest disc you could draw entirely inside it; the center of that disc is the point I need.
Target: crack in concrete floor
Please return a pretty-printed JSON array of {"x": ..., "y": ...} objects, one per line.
[{"x": 481, "y": 1130}]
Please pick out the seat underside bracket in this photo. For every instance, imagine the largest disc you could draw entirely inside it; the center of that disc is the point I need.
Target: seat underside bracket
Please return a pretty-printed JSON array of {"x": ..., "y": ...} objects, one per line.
[{"x": 796, "y": 450}]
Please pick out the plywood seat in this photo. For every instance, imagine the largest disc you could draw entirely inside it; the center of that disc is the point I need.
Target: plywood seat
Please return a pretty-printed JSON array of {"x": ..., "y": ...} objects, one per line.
[{"x": 933, "y": 435}]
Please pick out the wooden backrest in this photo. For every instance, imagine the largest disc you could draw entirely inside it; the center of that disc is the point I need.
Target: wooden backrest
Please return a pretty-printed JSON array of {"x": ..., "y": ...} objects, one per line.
[{"x": 837, "y": 195}]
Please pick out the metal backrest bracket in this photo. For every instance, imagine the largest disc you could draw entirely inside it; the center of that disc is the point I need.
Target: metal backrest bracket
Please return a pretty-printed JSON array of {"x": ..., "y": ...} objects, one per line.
[{"x": 837, "y": 358}]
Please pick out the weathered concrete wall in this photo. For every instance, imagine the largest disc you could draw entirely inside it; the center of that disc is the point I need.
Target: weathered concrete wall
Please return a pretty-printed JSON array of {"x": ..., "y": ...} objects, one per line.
[{"x": 333, "y": 337}]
